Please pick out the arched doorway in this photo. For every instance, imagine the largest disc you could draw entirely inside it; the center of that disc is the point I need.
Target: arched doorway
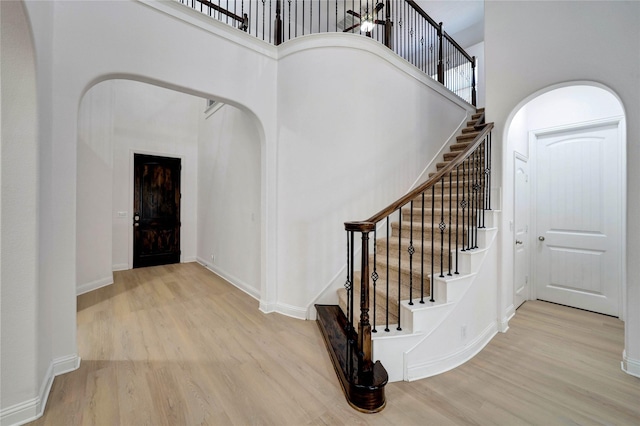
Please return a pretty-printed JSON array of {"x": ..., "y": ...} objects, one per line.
[
  {"x": 565, "y": 152},
  {"x": 221, "y": 170}
]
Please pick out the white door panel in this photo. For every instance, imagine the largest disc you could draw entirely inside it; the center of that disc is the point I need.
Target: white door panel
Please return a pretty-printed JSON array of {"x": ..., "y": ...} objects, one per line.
[{"x": 578, "y": 216}]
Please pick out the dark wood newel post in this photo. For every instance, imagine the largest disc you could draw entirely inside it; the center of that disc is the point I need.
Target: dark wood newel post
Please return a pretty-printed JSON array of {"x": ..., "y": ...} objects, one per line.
[
  {"x": 364, "y": 327},
  {"x": 440, "y": 55}
]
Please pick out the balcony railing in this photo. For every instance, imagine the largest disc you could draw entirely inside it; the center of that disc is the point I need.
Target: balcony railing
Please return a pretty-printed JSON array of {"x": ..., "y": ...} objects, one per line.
[{"x": 401, "y": 25}]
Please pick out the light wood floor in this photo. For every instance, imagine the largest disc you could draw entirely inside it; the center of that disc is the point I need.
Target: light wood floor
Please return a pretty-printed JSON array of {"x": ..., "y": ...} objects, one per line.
[{"x": 176, "y": 345}]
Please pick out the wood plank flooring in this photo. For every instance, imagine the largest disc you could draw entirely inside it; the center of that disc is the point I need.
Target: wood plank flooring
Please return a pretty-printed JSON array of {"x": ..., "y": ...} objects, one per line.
[{"x": 177, "y": 345}]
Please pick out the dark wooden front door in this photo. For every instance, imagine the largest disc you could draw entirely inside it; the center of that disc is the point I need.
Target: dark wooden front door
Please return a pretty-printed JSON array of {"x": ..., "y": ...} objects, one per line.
[{"x": 156, "y": 217}]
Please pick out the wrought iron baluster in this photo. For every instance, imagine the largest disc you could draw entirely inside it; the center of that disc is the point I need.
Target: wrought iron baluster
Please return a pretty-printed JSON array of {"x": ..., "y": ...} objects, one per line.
[
  {"x": 399, "y": 266},
  {"x": 387, "y": 274},
  {"x": 263, "y": 17},
  {"x": 482, "y": 181},
  {"x": 475, "y": 199},
  {"x": 433, "y": 226},
  {"x": 310, "y": 16},
  {"x": 463, "y": 205},
  {"x": 457, "y": 215},
  {"x": 422, "y": 253},
  {"x": 350, "y": 284},
  {"x": 410, "y": 250},
  {"x": 374, "y": 276},
  {"x": 442, "y": 227},
  {"x": 450, "y": 208}
]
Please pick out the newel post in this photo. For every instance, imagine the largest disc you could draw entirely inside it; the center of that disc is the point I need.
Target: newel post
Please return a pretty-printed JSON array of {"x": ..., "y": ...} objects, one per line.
[
  {"x": 277, "y": 30},
  {"x": 473, "y": 82},
  {"x": 440, "y": 55},
  {"x": 388, "y": 25},
  {"x": 364, "y": 327}
]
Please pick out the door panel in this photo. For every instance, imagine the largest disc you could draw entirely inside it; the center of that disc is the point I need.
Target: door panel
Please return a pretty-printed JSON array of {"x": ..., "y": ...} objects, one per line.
[
  {"x": 578, "y": 218},
  {"x": 521, "y": 230},
  {"x": 156, "y": 232}
]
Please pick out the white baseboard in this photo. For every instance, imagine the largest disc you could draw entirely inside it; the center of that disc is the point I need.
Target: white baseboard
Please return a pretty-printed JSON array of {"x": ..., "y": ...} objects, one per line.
[
  {"x": 630, "y": 366},
  {"x": 236, "y": 282},
  {"x": 281, "y": 308},
  {"x": 267, "y": 307},
  {"x": 94, "y": 285},
  {"x": 292, "y": 311},
  {"x": 33, "y": 408},
  {"x": 503, "y": 324},
  {"x": 120, "y": 267},
  {"x": 453, "y": 360},
  {"x": 190, "y": 259}
]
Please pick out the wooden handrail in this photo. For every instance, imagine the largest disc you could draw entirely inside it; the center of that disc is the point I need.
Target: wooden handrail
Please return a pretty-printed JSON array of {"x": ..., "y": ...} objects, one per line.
[
  {"x": 222, "y": 10},
  {"x": 365, "y": 226},
  {"x": 457, "y": 46},
  {"x": 422, "y": 13},
  {"x": 479, "y": 122}
]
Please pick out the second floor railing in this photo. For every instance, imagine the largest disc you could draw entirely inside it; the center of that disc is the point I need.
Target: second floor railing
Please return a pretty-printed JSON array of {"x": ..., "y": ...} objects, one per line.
[{"x": 401, "y": 25}]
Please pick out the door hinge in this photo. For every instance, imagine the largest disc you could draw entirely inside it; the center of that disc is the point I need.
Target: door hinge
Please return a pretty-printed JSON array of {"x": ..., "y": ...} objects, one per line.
[{"x": 526, "y": 279}]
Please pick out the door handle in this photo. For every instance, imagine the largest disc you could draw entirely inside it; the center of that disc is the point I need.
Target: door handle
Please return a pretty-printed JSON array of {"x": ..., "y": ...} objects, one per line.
[
  {"x": 541, "y": 238},
  {"x": 518, "y": 242}
]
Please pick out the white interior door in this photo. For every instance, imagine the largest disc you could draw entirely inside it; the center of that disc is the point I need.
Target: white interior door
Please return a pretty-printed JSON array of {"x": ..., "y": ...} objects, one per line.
[
  {"x": 522, "y": 204},
  {"x": 579, "y": 217}
]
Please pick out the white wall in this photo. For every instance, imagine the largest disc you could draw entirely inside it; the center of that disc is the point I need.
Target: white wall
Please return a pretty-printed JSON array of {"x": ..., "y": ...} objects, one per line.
[
  {"x": 533, "y": 45},
  {"x": 18, "y": 211},
  {"x": 348, "y": 147},
  {"x": 94, "y": 199},
  {"x": 229, "y": 196}
]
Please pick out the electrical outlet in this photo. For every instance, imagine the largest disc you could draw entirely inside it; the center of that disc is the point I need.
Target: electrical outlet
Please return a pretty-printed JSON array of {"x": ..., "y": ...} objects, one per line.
[{"x": 212, "y": 258}]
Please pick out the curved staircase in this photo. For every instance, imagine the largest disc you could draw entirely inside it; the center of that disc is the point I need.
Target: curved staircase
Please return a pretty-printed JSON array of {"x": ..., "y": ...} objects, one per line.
[
  {"x": 397, "y": 246},
  {"x": 428, "y": 303}
]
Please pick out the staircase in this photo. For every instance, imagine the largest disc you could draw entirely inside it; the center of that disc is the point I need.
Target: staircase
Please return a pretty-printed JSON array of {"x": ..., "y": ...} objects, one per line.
[
  {"x": 397, "y": 246},
  {"x": 425, "y": 304}
]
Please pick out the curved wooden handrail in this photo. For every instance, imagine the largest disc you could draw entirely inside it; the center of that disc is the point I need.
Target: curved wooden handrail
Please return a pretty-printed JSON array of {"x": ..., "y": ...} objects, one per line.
[{"x": 367, "y": 225}]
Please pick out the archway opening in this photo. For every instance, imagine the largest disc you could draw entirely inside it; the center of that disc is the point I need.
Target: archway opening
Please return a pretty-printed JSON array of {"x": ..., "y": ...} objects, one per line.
[
  {"x": 221, "y": 178},
  {"x": 565, "y": 198}
]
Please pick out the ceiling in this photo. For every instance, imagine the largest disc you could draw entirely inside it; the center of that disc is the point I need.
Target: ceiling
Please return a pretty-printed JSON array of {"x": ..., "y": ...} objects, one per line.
[{"x": 462, "y": 19}]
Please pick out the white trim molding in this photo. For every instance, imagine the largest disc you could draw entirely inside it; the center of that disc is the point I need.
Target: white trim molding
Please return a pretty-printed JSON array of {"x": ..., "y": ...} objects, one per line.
[
  {"x": 32, "y": 409},
  {"x": 94, "y": 285},
  {"x": 450, "y": 361},
  {"x": 234, "y": 281},
  {"x": 630, "y": 366},
  {"x": 120, "y": 267},
  {"x": 503, "y": 323}
]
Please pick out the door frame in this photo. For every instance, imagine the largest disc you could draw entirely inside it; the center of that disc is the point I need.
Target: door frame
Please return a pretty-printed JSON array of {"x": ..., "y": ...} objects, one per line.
[
  {"x": 529, "y": 292},
  {"x": 131, "y": 180},
  {"x": 619, "y": 122}
]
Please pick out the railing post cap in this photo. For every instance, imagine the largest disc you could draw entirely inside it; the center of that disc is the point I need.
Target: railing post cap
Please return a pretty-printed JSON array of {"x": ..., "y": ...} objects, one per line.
[{"x": 359, "y": 226}]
